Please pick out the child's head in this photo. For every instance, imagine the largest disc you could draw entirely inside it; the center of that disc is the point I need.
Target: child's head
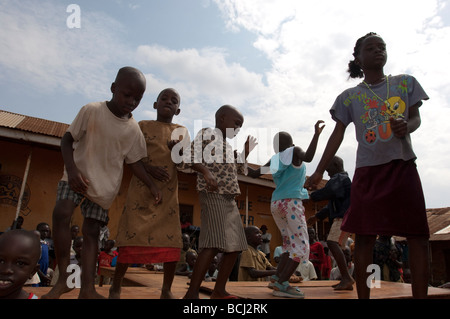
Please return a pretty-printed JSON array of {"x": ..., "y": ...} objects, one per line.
[
  {"x": 18, "y": 222},
  {"x": 20, "y": 251},
  {"x": 109, "y": 245},
  {"x": 128, "y": 90},
  {"x": 263, "y": 229},
  {"x": 74, "y": 231},
  {"x": 44, "y": 230},
  {"x": 191, "y": 257},
  {"x": 336, "y": 166},
  {"x": 186, "y": 241},
  {"x": 167, "y": 105},
  {"x": 311, "y": 234},
  {"x": 78, "y": 245},
  {"x": 253, "y": 235},
  {"x": 229, "y": 120},
  {"x": 369, "y": 53},
  {"x": 214, "y": 264},
  {"x": 282, "y": 141}
]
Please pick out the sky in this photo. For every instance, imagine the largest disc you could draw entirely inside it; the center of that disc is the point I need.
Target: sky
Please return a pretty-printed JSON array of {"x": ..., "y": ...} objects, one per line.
[{"x": 282, "y": 63}]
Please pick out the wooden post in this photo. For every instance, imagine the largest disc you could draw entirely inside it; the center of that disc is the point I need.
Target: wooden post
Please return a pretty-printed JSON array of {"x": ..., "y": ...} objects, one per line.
[{"x": 22, "y": 189}]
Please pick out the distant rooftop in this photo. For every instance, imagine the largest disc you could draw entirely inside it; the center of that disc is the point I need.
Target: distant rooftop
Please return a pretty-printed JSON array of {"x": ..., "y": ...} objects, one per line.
[
  {"x": 32, "y": 124},
  {"x": 439, "y": 223}
]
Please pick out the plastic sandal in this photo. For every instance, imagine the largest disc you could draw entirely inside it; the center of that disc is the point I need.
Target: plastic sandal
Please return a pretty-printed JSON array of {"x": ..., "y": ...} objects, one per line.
[
  {"x": 285, "y": 290},
  {"x": 273, "y": 280}
]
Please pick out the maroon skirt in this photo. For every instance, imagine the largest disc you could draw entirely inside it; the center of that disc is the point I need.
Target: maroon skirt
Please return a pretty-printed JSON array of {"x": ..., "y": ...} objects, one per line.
[{"x": 387, "y": 199}]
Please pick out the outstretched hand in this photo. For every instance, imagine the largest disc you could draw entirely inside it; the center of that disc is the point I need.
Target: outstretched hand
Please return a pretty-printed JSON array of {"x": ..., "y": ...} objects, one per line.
[
  {"x": 317, "y": 128},
  {"x": 250, "y": 144}
]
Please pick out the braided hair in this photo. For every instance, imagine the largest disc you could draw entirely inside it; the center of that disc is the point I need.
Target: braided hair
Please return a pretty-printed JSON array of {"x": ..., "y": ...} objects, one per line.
[{"x": 354, "y": 69}]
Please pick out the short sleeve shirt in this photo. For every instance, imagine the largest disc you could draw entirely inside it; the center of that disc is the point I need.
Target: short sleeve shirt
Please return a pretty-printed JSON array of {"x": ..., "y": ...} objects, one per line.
[
  {"x": 288, "y": 178},
  {"x": 102, "y": 143},
  {"x": 370, "y": 108},
  {"x": 252, "y": 258},
  {"x": 215, "y": 153}
]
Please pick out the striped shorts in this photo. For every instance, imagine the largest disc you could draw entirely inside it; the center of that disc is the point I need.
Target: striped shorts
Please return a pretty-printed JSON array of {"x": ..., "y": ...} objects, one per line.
[
  {"x": 221, "y": 225},
  {"x": 89, "y": 209}
]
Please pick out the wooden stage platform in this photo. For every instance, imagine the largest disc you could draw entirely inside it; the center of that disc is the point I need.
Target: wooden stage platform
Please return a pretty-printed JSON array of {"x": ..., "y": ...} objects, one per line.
[{"x": 144, "y": 284}]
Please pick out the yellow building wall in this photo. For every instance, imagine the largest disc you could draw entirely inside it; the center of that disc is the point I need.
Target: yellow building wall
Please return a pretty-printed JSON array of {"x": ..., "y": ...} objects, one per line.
[
  {"x": 39, "y": 197},
  {"x": 46, "y": 169}
]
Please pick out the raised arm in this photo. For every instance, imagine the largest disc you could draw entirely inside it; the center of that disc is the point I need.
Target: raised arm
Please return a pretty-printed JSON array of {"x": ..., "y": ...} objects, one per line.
[
  {"x": 255, "y": 173},
  {"x": 301, "y": 156},
  {"x": 249, "y": 145},
  {"x": 334, "y": 142},
  {"x": 309, "y": 155}
]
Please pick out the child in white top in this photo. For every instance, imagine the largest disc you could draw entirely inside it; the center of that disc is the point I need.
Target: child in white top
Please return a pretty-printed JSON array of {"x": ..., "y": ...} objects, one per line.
[{"x": 102, "y": 137}]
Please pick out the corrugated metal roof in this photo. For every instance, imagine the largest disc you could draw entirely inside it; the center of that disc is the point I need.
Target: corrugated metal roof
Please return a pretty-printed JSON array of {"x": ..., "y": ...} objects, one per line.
[
  {"x": 438, "y": 222},
  {"x": 10, "y": 119},
  {"x": 32, "y": 124}
]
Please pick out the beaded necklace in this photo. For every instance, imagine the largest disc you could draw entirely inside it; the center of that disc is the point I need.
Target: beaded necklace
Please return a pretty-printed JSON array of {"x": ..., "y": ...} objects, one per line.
[{"x": 387, "y": 90}]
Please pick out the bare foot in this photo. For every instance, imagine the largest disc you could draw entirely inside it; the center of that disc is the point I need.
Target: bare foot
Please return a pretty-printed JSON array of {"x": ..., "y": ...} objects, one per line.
[
  {"x": 90, "y": 294},
  {"x": 191, "y": 296},
  {"x": 56, "y": 291},
  {"x": 166, "y": 294},
  {"x": 114, "y": 293},
  {"x": 344, "y": 285}
]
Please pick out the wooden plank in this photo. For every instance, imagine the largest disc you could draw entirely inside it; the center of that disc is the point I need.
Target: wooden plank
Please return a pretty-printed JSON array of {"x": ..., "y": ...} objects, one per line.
[
  {"x": 108, "y": 272},
  {"x": 152, "y": 280},
  {"x": 310, "y": 283},
  {"x": 144, "y": 286},
  {"x": 322, "y": 290},
  {"x": 127, "y": 292},
  {"x": 251, "y": 290}
]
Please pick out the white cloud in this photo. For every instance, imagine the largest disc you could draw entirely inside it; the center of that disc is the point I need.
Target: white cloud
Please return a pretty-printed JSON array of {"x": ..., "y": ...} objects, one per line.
[
  {"x": 203, "y": 77},
  {"x": 39, "y": 49},
  {"x": 310, "y": 44},
  {"x": 253, "y": 14},
  {"x": 206, "y": 70}
]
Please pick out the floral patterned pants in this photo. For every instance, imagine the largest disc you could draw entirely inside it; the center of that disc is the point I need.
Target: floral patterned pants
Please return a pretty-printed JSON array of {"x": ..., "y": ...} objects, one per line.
[{"x": 289, "y": 215}]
